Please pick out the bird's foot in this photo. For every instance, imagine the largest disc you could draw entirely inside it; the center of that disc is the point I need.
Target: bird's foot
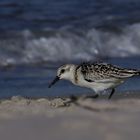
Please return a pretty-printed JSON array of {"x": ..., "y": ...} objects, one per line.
[{"x": 73, "y": 99}]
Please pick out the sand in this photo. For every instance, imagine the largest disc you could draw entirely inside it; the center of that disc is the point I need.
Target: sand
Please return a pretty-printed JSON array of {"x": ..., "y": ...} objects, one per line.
[{"x": 43, "y": 119}]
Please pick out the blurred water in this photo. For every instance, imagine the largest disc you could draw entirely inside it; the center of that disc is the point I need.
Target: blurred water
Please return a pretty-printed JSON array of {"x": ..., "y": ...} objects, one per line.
[{"x": 34, "y": 14}]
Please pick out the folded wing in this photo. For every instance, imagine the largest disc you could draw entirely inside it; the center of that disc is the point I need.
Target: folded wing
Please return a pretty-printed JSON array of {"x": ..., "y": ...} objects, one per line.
[{"x": 97, "y": 72}]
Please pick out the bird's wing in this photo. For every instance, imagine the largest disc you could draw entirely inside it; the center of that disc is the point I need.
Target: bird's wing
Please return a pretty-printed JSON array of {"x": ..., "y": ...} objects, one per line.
[{"x": 97, "y": 72}]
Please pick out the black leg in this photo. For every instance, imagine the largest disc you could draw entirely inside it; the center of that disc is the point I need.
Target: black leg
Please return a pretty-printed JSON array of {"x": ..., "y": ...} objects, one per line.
[
  {"x": 93, "y": 96},
  {"x": 112, "y": 92},
  {"x": 73, "y": 98}
]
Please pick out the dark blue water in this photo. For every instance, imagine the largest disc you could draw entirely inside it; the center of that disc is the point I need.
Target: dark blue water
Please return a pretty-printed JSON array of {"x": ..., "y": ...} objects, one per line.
[
  {"x": 36, "y": 36},
  {"x": 35, "y": 15}
]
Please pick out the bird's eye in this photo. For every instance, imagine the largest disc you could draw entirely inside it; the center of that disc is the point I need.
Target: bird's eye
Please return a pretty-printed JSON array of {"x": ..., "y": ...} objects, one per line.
[{"x": 62, "y": 71}]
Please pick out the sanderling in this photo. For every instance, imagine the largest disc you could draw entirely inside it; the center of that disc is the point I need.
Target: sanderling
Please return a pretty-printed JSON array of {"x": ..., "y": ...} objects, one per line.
[{"x": 96, "y": 76}]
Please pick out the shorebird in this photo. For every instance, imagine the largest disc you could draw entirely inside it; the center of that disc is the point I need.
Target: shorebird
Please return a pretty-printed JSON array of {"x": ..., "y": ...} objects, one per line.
[{"x": 96, "y": 76}]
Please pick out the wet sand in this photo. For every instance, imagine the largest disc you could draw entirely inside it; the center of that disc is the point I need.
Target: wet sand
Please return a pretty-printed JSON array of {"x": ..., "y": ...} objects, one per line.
[{"x": 34, "y": 119}]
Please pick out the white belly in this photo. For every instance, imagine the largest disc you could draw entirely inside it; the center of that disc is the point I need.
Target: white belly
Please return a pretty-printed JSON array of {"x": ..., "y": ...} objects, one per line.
[{"x": 98, "y": 86}]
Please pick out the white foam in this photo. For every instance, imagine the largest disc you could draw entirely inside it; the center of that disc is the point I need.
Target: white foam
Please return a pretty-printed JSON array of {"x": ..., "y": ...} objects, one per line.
[{"x": 65, "y": 45}]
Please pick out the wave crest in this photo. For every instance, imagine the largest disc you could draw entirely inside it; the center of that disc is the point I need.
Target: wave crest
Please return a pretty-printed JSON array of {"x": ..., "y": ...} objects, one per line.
[{"x": 67, "y": 45}]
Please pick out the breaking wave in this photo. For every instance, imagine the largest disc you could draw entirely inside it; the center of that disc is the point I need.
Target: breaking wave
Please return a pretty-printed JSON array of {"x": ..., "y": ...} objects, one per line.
[{"x": 68, "y": 45}]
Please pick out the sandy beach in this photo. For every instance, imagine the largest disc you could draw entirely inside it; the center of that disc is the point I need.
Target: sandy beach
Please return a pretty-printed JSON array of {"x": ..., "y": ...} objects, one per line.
[{"x": 34, "y": 119}]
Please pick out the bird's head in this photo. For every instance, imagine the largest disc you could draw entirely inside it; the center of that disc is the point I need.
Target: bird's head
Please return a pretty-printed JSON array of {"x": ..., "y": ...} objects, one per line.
[{"x": 64, "y": 72}]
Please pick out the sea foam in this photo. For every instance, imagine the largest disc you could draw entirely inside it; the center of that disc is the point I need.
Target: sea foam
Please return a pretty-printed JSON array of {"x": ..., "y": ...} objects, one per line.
[{"x": 67, "y": 45}]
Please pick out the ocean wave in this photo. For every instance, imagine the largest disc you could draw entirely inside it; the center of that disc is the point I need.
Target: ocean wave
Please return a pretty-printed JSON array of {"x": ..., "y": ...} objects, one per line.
[{"x": 68, "y": 45}]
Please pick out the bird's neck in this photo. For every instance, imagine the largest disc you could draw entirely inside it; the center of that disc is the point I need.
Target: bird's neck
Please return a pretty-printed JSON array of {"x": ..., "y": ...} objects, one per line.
[{"x": 73, "y": 76}]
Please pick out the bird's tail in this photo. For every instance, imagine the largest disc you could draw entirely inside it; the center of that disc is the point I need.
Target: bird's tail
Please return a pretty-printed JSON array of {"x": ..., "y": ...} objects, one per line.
[
  {"x": 130, "y": 72},
  {"x": 137, "y": 72},
  {"x": 134, "y": 71}
]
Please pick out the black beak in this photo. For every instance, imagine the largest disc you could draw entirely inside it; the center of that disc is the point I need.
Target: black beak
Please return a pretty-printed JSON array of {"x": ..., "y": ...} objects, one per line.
[{"x": 54, "y": 81}]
